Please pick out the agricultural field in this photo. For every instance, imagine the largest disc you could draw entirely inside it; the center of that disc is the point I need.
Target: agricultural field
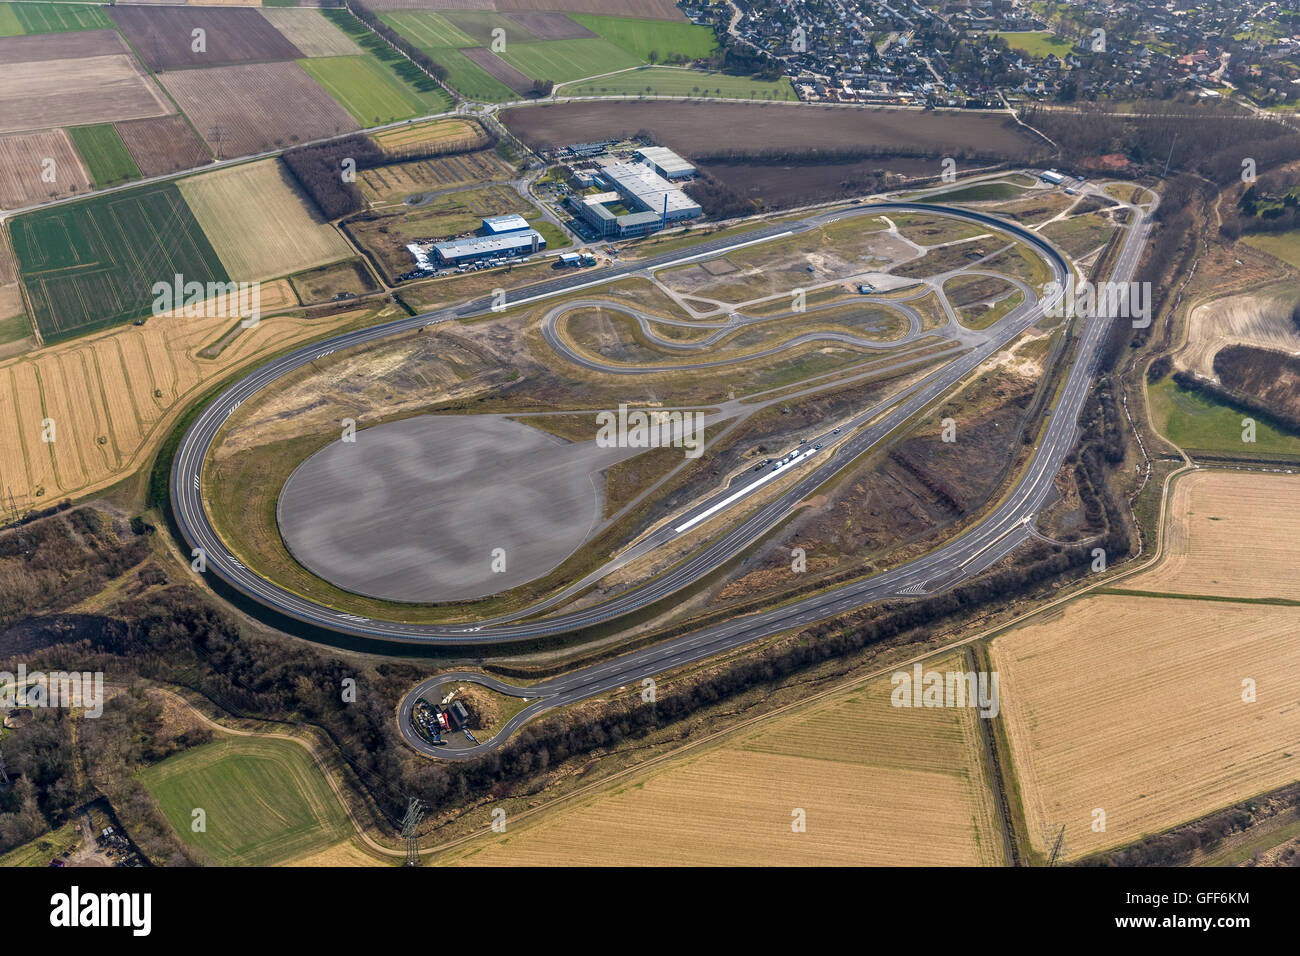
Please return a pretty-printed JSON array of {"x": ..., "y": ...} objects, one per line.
[
  {"x": 240, "y": 110},
  {"x": 162, "y": 35},
  {"x": 369, "y": 91},
  {"x": 115, "y": 394},
  {"x": 163, "y": 145},
  {"x": 564, "y": 60},
  {"x": 880, "y": 785},
  {"x": 676, "y": 81},
  {"x": 22, "y": 161},
  {"x": 266, "y": 801},
  {"x": 1201, "y": 425},
  {"x": 431, "y": 133},
  {"x": 550, "y": 26},
  {"x": 29, "y": 18},
  {"x": 1261, "y": 318},
  {"x": 92, "y": 264},
  {"x": 501, "y": 71},
  {"x": 259, "y": 222},
  {"x": 698, "y": 127},
  {"x": 398, "y": 180},
  {"x": 72, "y": 79},
  {"x": 106, "y": 156},
  {"x": 460, "y": 53},
  {"x": 1216, "y": 512},
  {"x": 311, "y": 32},
  {"x": 651, "y": 40},
  {"x": 1163, "y": 650}
]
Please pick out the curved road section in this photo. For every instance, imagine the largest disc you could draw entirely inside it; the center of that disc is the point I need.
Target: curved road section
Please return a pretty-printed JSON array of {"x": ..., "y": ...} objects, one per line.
[{"x": 979, "y": 547}]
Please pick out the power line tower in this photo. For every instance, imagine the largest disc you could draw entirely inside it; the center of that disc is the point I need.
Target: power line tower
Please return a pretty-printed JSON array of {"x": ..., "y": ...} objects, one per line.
[
  {"x": 214, "y": 136},
  {"x": 1057, "y": 846},
  {"x": 414, "y": 814},
  {"x": 4, "y": 777}
]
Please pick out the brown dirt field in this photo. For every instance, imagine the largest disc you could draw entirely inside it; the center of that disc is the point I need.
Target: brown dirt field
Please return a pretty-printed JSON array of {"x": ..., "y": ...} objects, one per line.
[
  {"x": 696, "y": 127},
  {"x": 258, "y": 106},
  {"x": 499, "y": 68},
  {"x": 550, "y": 26},
  {"x": 163, "y": 145},
  {"x": 310, "y": 32},
  {"x": 1134, "y": 706},
  {"x": 880, "y": 786},
  {"x": 104, "y": 385},
  {"x": 163, "y": 36},
  {"x": 21, "y": 159},
  {"x": 61, "y": 46},
  {"x": 73, "y": 92},
  {"x": 1261, "y": 319},
  {"x": 783, "y": 185},
  {"x": 1235, "y": 535}
]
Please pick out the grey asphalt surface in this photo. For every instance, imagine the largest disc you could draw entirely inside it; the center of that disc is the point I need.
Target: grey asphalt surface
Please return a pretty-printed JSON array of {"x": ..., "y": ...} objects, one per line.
[{"x": 968, "y": 554}]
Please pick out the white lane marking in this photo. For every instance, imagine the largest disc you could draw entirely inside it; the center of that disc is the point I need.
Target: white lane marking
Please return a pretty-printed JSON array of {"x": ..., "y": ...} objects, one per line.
[{"x": 779, "y": 470}]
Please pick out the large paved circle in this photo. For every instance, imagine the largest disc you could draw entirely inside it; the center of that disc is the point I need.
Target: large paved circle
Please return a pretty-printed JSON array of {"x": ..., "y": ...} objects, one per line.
[{"x": 414, "y": 510}]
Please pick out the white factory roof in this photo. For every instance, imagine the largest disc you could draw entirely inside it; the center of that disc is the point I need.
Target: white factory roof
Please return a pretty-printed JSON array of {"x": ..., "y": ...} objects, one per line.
[
  {"x": 667, "y": 160},
  {"x": 485, "y": 245},
  {"x": 647, "y": 187},
  {"x": 507, "y": 223}
]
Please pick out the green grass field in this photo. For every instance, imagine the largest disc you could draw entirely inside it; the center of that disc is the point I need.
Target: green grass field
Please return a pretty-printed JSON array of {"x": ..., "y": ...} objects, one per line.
[
  {"x": 9, "y": 23},
  {"x": 265, "y": 801},
  {"x": 427, "y": 30},
  {"x": 369, "y": 91},
  {"x": 672, "y": 81},
  {"x": 43, "y": 849},
  {"x": 442, "y": 40},
  {"x": 26, "y": 18},
  {"x": 1284, "y": 245},
  {"x": 16, "y": 327},
  {"x": 398, "y": 70},
  {"x": 1037, "y": 45},
  {"x": 562, "y": 60},
  {"x": 105, "y": 154},
  {"x": 471, "y": 79},
  {"x": 1200, "y": 425},
  {"x": 92, "y": 264},
  {"x": 641, "y": 38}
]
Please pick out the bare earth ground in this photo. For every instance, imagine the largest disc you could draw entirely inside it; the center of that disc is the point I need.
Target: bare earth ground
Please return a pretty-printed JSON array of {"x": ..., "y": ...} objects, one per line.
[
  {"x": 73, "y": 92},
  {"x": 257, "y": 106},
  {"x": 697, "y": 127}
]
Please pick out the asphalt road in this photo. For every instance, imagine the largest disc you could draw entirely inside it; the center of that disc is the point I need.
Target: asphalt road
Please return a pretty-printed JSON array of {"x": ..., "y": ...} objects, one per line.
[
  {"x": 1005, "y": 528},
  {"x": 192, "y": 518}
]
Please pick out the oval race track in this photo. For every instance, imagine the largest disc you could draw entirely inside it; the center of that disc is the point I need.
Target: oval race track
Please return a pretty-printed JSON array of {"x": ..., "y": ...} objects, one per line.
[{"x": 996, "y": 535}]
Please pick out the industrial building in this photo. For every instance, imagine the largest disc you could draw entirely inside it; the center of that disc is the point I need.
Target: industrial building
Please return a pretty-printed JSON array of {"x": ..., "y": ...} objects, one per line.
[
  {"x": 477, "y": 248},
  {"x": 652, "y": 201},
  {"x": 502, "y": 237},
  {"x": 665, "y": 162},
  {"x": 496, "y": 225}
]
